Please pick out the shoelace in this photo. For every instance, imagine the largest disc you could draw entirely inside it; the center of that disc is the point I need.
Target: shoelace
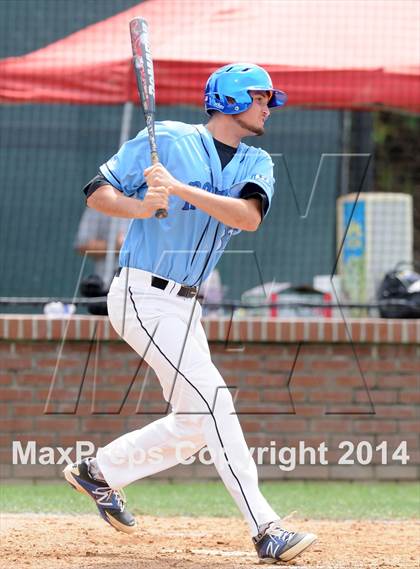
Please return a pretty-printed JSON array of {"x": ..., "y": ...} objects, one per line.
[
  {"x": 107, "y": 494},
  {"x": 283, "y": 534}
]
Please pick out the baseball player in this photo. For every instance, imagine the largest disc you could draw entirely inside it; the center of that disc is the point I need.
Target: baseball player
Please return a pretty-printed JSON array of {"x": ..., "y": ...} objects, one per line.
[{"x": 214, "y": 186}]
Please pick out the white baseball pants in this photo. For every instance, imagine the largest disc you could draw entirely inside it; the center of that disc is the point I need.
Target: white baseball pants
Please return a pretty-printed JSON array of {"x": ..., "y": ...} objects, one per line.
[{"x": 165, "y": 330}]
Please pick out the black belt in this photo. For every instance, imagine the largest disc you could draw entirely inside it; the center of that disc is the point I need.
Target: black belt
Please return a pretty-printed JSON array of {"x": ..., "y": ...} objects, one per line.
[
  {"x": 160, "y": 283},
  {"x": 184, "y": 291}
]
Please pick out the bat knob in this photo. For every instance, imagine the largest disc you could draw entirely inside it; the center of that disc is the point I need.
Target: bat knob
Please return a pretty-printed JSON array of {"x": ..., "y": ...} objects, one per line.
[{"x": 161, "y": 213}]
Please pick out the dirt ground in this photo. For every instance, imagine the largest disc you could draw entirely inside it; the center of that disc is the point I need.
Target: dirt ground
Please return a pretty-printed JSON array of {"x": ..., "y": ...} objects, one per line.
[{"x": 32, "y": 541}]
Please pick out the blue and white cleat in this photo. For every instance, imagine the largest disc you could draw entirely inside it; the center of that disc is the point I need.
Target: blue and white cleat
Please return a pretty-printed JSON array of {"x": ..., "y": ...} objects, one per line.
[
  {"x": 277, "y": 544},
  {"x": 110, "y": 503}
]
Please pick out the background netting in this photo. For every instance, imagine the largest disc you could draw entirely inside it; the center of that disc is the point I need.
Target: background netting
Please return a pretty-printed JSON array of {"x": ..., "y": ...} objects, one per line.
[{"x": 48, "y": 153}]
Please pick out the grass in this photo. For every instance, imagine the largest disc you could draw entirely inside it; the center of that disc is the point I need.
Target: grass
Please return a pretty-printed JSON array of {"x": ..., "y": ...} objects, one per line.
[{"x": 330, "y": 500}]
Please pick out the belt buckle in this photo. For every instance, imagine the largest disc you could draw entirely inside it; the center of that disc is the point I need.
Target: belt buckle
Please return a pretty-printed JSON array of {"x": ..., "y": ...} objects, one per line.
[{"x": 187, "y": 291}]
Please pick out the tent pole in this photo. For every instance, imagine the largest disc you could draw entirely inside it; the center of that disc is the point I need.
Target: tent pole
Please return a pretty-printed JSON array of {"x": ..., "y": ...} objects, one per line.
[{"x": 113, "y": 229}]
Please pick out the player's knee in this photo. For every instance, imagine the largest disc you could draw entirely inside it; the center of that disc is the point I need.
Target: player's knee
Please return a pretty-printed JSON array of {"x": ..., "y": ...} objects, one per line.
[{"x": 187, "y": 423}]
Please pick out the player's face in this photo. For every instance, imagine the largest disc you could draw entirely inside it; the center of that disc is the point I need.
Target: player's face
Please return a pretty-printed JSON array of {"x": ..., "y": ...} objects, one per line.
[{"x": 253, "y": 119}]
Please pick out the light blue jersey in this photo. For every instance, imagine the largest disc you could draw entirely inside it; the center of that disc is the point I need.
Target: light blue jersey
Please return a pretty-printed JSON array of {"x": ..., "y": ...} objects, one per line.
[{"x": 186, "y": 245}]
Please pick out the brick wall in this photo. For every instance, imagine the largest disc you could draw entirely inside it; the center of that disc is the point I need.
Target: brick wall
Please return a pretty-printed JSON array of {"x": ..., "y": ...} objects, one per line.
[{"x": 296, "y": 382}]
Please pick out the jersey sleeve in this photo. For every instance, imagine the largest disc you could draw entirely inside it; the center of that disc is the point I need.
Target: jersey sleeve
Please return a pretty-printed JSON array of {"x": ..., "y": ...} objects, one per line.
[
  {"x": 125, "y": 169},
  {"x": 264, "y": 178},
  {"x": 94, "y": 184},
  {"x": 251, "y": 190}
]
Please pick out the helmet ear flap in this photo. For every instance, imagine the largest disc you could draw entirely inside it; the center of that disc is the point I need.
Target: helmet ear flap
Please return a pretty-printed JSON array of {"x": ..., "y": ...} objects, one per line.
[
  {"x": 224, "y": 98},
  {"x": 224, "y": 104}
]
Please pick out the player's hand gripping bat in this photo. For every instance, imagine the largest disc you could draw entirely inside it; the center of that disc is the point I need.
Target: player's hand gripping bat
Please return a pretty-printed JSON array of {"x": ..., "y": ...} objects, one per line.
[{"x": 143, "y": 67}]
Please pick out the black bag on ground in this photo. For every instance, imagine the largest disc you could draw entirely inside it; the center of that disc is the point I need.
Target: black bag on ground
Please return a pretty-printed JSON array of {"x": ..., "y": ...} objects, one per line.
[{"x": 402, "y": 287}]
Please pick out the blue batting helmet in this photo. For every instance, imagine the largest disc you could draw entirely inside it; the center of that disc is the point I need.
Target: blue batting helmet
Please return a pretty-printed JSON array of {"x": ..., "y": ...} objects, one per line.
[{"x": 235, "y": 81}]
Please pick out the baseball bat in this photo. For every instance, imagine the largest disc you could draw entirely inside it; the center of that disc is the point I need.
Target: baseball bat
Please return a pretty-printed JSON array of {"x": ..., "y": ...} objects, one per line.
[{"x": 143, "y": 68}]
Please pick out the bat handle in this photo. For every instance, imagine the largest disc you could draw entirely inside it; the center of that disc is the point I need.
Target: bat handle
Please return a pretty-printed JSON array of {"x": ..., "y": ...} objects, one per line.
[
  {"x": 155, "y": 157},
  {"x": 160, "y": 213}
]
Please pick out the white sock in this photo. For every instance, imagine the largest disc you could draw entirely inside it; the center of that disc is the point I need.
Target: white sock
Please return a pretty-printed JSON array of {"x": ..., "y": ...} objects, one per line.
[{"x": 94, "y": 470}]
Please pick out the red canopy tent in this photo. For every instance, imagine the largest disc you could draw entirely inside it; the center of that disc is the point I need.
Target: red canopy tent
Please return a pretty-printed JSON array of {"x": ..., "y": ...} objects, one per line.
[{"x": 325, "y": 53}]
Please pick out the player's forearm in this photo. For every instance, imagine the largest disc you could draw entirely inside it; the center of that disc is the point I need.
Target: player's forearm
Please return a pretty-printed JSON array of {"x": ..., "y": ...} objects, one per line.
[
  {"x": 234, "y": 212},
  {"x": 110, "y": 201}
]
